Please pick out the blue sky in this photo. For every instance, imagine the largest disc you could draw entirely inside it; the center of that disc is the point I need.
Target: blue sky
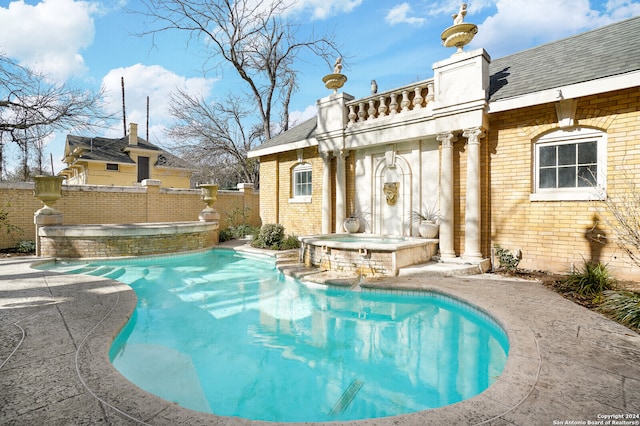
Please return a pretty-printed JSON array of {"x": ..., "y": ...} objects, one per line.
[{"x": 395, "y": 42}]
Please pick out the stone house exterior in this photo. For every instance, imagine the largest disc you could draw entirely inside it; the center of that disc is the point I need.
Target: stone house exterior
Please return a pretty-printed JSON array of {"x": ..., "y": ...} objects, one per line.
[
  {"x": 123, "y": 161},
  {"x": 520, "y": 152}
]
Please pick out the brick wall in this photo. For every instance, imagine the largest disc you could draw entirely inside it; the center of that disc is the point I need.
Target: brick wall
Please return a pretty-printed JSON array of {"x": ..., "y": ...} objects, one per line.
[
  {"x": 94, "y": 204},
  {"x": 552, "y": 234},
  {"x": 276, "y": 192}
]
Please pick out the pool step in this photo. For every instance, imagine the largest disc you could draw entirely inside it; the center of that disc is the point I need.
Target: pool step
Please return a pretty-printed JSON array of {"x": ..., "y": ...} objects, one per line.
[{"x": 346, "y": 398}]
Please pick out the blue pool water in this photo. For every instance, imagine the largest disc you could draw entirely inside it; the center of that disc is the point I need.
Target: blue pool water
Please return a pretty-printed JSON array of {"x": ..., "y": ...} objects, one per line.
[{"x": 226, "y": 333}]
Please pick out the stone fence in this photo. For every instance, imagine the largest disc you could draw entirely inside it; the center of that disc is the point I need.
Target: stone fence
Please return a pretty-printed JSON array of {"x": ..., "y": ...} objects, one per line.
[{"x": 101, "y": 204}]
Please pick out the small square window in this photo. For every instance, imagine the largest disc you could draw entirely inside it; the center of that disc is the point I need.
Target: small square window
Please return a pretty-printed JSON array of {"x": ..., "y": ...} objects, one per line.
[
  {"x": 302, "y": 183},
  {"x": 567, "y": 165}
]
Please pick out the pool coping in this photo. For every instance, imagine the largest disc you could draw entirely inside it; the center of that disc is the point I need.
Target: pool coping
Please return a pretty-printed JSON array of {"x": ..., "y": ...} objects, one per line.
[{"x": 93, "y": 319}]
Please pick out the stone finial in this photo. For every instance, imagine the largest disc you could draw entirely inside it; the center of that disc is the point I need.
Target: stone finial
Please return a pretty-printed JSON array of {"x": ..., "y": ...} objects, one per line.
[
  {"x": 337, "y": 67},
  {"x": 458, "y": 18},
  {"x": 336, "y": 80},
  {"x": 460, "y": 33}
]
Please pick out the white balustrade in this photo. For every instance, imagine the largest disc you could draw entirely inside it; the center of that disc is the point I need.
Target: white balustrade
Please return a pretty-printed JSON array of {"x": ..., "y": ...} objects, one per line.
[{"x": 397, "y": 101}]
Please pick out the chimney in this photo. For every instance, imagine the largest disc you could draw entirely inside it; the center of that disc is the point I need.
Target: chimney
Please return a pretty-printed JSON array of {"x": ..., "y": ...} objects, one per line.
[{"x": 133, "y": 134}]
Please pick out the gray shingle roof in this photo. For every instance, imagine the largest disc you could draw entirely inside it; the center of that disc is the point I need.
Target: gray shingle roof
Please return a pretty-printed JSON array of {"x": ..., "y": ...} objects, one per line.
[
  {"x": 603, "y": 52},
  {"x": 114, "y": 150},
  {"x": 304, "y": 130}
]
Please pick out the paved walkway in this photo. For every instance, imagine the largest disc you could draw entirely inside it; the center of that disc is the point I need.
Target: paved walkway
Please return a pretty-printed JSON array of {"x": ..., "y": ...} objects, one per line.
[{"x": 566, "y": 363}]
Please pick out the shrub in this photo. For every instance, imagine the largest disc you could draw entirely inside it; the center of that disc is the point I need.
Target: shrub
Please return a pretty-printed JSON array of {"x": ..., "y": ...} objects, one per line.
[
  {"x": 623, "y": 306},
  {"x": 591, "y": 280},
  {"x": 225, "y": 235},
  {"x": 271, "y": 236},
  {"x": 5, "y": 222},
  {"x": 290, "y": 242},
  {"x": 506, "y": 259},
  {"x": 26, "y": 246}
]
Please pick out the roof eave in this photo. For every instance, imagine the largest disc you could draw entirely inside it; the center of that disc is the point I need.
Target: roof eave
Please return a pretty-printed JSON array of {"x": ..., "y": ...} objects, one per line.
[
  {"x": 571, "y": 91},
  {"x": 260, "y": 152}
]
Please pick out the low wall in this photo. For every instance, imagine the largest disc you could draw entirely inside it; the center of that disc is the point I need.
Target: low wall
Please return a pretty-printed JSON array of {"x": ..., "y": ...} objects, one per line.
[
  {"x": 75, "y": 241},
  {"x": 98, "y": 204}
]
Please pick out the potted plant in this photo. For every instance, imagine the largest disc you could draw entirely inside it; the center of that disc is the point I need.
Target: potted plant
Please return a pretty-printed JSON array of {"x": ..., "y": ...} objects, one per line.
[
  {"x": 427, "y": 220},
  {"x": 352, "y": 223}
]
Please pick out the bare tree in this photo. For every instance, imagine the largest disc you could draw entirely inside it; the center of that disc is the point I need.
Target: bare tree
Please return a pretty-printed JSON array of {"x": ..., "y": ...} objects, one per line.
[
  {"x": 622, "y": 214},
  {"x": 251, "y": 36},
  {"x": 215, "y": 135},
  {"x": 31, "y": 107}
]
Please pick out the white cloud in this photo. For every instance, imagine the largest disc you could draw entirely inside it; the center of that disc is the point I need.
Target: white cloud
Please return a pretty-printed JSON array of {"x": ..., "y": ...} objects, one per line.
[
  {"x": 297, "y": 117},
  {"x": 323, "y": 9},
  {"x": 621, "y": 9},
  {"x": 448, "y": 7},
  {"x": 519, "y": 24},
  {"x": 154, "y": 81},
  {"x": 49, "y": 35},
  {"x": 399, "y": 15}
]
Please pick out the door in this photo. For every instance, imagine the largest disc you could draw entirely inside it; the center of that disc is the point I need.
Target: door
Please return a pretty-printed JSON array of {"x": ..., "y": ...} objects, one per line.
[{"x": 143, "y": 168}]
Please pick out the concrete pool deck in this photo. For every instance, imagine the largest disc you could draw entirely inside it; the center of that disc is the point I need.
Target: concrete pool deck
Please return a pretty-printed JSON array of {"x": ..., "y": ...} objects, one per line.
[{"x": 567, "y": 365}]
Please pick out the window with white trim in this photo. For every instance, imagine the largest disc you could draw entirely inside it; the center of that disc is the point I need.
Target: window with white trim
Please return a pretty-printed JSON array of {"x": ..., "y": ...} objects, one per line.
[
  {"x": 570, "y": 165},
  {"x": 302, "y": 181}
]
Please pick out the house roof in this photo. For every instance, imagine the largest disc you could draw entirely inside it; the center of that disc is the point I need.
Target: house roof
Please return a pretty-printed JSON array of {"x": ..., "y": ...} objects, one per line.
[
  {"x": 604, "y": 52},
  {"x": 304, "y": 130},
  {"x": 115, "y": 150}
]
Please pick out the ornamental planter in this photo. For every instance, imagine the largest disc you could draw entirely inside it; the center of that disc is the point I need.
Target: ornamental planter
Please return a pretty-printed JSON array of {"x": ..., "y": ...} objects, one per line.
[
  {"x": 209, "y": 193},
  {"x": 351, "y": 225},
  {"x": 48, "y": 189},
  {"x": 428, "y": 229},
  {"x": 209, "y": 196}
]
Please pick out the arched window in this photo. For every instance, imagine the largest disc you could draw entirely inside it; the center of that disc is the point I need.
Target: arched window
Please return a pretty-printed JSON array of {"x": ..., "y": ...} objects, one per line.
[
  {"x": 570, "y": 165},
  {"x": 302, "y": 180}
]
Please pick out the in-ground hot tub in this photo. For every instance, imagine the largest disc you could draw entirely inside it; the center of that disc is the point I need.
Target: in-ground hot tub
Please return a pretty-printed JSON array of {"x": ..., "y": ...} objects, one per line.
[{"x": 365, "y": 254}]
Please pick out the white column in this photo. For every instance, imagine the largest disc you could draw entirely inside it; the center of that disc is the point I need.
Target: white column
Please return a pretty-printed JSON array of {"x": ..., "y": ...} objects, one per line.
[
  {"x": 341, "y": 189},
  {"x": 472, "y": 205},
  {"x": 446, "y": 195},
  {"x": 326, "y": 192}
]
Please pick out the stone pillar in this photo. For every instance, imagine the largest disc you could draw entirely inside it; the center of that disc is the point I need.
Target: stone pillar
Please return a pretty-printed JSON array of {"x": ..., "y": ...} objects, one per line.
[
  {"x": 326, "y": 192},
  {"x": 246, "y": 188},
  {"x": 154, "y": 205},
  {"x": 446, "y": 195},
  {"x": 341, "y": 189},
  {"x": 473, "y": 203}
]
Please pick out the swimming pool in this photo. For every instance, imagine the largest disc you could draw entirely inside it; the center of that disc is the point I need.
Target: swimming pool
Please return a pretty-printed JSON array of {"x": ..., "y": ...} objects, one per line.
[{"x": 224, "y": 333}]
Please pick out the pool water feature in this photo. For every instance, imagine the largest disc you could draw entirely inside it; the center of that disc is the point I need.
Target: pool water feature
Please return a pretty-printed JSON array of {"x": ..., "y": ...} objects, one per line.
[
  {"x": 366, "y": 254},
  {"x": 226, "y": 333}
]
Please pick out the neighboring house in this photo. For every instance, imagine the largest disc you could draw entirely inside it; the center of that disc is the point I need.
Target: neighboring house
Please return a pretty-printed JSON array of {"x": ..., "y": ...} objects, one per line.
[
  {"x": 123, "y": 162},
  {"x": 520, "y": 152}
]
